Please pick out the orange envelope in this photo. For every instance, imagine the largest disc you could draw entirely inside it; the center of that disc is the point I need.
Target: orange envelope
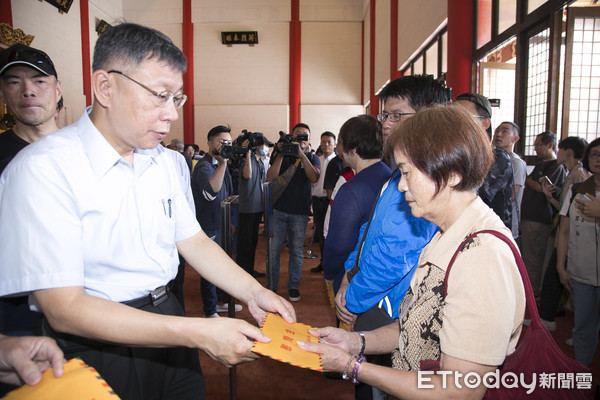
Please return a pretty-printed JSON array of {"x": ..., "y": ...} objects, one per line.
[
  {"x": 283, "y": 347},
  {"x": 79, "y": 382}
]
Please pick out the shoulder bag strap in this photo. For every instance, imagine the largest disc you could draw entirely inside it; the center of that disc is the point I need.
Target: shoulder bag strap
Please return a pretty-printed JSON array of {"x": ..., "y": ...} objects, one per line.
[{"x": 530, "y": 299}]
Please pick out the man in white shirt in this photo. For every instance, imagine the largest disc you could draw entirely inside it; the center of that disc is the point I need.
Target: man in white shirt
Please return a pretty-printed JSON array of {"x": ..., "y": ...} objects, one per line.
[
  {"x": 320, "y": 201},
  {"x": 98, "y": 254},
  {"x": 505, "y": 137}
]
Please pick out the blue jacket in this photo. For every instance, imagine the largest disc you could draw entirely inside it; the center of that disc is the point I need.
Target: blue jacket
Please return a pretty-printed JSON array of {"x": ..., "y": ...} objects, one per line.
[{"x": 390, "y": 253}]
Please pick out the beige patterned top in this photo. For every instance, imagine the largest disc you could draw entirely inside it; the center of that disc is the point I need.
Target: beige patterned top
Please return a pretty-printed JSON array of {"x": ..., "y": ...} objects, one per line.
[{"x": 480, "y": 319}]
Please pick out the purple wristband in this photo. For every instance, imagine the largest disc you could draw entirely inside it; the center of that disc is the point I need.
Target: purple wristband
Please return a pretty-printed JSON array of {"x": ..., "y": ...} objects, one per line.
[{"x": 360, "y": 359}]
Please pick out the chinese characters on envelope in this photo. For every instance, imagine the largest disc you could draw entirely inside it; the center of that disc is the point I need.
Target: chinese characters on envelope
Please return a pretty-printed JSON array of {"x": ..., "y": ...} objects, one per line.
[{"x": 283, "y": 347}]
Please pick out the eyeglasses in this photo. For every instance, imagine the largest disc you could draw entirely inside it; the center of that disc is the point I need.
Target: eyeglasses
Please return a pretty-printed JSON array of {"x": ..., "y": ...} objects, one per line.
[
  {"x": 594, "y": 155},
  {"x": 392, "y": 117},
  {"x": 163, "y": 99}
]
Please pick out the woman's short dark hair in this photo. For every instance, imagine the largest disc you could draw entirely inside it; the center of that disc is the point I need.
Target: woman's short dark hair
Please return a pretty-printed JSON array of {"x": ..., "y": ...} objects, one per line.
[
  {"x": 586, "y": 155},
  {"x": 575, "y": 143},
  {"x": 443, "y": 141},
  {"x": 363, "y": 135}
]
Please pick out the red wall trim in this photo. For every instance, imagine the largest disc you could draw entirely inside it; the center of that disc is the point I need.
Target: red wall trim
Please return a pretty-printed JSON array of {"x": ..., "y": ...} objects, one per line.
[
  {"x": 362, "y": 63},
  {"x": 295, "y": 61},
  {"x": 460, "y": 46},
  {"x": 394, "y": 40},
  {"x": 188, "y": 76},
  {"x": 86, "y": 69},
  {"x": 374, "y": 106},
  {"x": 6, "y": 12}
]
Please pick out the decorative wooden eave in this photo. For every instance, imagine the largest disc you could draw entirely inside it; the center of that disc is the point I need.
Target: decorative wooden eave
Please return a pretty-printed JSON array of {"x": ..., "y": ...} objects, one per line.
[{"x": 10, "y": 36}]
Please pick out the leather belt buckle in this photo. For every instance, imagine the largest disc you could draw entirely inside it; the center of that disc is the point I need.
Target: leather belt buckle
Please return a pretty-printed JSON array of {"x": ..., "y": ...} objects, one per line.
[{"x": 159, "y": 295}]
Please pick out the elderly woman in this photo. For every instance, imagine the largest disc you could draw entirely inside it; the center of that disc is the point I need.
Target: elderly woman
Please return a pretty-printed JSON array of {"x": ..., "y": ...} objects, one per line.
[
  {"x": 443, "y": 155},
  {"x": 576, "y": 250}
]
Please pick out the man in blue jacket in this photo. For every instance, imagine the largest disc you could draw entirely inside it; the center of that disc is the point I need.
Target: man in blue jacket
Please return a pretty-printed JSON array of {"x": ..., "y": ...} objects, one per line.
[{"x": 381, "y": 266}]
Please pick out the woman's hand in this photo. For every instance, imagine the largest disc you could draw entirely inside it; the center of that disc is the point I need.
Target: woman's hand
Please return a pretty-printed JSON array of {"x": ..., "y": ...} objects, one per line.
[
  {"x": 334, "y": 347},
  {"x": 589, "y": 208},
  {"x": 565, "y": 278}
]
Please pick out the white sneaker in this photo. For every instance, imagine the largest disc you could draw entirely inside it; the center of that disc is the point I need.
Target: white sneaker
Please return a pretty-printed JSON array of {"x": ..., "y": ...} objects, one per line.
[
  {"x": 225, "y": 308},
  {"x": 551, "y": 325},
  {"x": 569, "y": 342},
  {"x": 215, "y": 315}
]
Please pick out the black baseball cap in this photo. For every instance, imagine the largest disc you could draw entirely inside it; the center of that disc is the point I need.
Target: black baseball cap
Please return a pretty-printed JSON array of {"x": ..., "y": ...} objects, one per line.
[
  {"x": 478, "y": 99},
  {"x": 19, "y": 54}
]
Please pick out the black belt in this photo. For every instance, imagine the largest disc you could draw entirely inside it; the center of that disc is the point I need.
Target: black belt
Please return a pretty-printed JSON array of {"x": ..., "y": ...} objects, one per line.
[
  {"x": 154, "y": 298},
  {"x": 319, "y": 198}
]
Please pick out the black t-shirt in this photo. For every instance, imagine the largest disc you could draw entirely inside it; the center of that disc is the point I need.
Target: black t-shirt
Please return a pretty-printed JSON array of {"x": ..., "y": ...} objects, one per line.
[
  {"x": 10, "y": 145},
  {"x": 295, "y": 199}
]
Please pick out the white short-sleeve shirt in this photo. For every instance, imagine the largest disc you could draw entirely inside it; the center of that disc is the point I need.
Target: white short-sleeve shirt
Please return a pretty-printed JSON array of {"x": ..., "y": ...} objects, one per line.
[{"x": 74, "y": 213}]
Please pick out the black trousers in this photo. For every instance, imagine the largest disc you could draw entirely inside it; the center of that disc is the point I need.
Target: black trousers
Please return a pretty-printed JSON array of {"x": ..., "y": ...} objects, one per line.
[
  {"x": 247, "y": 239},
  {"x": 319, "y": 208},
  {"x": 552, "y": 291},
  {"x": 139, "y": 373}
]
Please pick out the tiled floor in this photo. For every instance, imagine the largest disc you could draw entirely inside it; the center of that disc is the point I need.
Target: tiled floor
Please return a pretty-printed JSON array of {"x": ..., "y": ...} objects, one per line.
[{"x": 268, "y": 379}]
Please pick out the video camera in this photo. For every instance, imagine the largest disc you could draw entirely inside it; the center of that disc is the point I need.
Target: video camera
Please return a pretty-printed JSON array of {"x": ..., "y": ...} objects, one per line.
[
  {"x": 288, "y": 147},
  {"x": 255, "y": 139}
]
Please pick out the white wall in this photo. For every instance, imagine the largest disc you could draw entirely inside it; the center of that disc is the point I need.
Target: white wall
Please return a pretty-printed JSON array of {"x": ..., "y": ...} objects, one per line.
[
  {"x": 242, "y": 86},
  {"x": 417, "y": 20}
]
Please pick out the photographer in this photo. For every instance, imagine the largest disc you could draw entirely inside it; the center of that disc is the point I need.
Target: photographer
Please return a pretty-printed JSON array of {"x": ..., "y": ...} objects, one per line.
[
  {"x": 211, "y": 184},
  {"x": 252, "y": 175},
  {"x": 291, "y": 210}
]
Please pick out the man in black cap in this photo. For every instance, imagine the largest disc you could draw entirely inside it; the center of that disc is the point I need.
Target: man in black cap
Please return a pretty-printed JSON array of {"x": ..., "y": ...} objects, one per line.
[
  {"x": 31, "y": 91},
  {"x": 30, "y": 88},
  {"x": 496, "y": 190}
]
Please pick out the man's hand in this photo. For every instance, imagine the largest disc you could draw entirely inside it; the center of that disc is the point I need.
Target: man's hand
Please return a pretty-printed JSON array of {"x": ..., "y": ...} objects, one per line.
[
  {"x": 548, "y": 189},
  {"x": 23, "y": 359},
  {"x": 229, "y": 340},
  {"x": 340, "y": 305},
  {"x": 266, "y": 301}
]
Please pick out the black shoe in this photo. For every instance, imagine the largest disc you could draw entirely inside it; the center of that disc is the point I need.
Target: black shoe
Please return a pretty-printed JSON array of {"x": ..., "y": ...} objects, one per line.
[
  {"x": 294, "y": 295},
  {"x": 317, "y": 269},
  {"x": 257, "y": 274}
]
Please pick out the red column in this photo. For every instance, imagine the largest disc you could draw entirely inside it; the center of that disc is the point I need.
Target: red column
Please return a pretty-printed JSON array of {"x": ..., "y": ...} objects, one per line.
[
  {"x": 84, "y": 21},
  {"x": 394, "y": 73},
  {"x": 6, "y": 12},
  {"x": 460, "y": 45},
  {"x": 188, "y": 76},
  {"x": 295, "y": 60},
  {"x": 374, "y": 107},
  {"x": 362, "y": 63}
]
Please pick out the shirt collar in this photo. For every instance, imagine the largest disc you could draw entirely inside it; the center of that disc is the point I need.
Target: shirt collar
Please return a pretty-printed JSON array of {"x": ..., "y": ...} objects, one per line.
[
  {"x": 442, "y": 246},
  {"x": 101, "y": 154}
]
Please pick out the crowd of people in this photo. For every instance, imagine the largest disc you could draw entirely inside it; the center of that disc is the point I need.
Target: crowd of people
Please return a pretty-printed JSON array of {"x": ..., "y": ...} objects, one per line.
[{"x": 97, "y": 267}]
